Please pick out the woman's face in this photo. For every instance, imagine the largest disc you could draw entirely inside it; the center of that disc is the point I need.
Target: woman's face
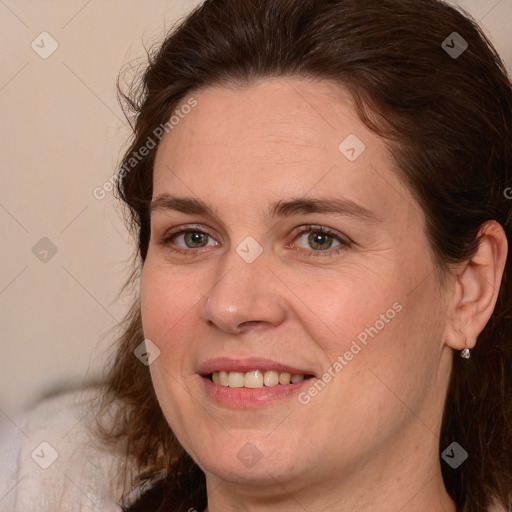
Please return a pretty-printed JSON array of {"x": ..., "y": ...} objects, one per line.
[{"x": 283, "y": 242}]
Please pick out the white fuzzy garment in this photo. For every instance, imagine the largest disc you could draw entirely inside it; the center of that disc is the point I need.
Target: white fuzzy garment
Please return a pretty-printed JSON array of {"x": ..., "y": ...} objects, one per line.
[{"x": 80, "y": 479}]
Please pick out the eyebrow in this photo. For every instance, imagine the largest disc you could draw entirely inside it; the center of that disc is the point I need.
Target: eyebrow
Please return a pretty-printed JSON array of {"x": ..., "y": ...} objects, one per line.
[{"x": 301, "y": 205}]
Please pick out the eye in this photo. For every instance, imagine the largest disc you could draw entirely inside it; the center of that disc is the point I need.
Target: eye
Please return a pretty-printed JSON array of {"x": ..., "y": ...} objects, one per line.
[
  {"x": 186, "y": 239},
  {"x": 323, "y": 241},
  {"x": 316, "y": 241}
]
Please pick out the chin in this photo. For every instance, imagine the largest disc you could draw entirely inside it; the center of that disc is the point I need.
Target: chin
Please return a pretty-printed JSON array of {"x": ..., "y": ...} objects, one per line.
[{"x": 252, "y": 459}]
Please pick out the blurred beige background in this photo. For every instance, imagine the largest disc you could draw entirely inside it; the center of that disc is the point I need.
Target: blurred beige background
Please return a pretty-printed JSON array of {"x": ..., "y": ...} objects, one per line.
[{"x": 64, "y": 253}]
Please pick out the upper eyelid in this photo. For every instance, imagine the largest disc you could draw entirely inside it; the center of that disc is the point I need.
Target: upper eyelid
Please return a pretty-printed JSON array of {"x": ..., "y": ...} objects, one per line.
[{"x": 180, "y": 230}]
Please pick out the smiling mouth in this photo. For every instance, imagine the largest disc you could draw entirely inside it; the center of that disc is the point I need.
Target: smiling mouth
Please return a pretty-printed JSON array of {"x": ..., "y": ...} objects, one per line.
[{"x": 255, "y": 378}]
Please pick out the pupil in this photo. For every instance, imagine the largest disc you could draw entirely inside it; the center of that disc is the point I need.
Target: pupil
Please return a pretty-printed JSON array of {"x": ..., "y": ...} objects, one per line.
[
  {"x": 319, "y": 239},
  {"x": 195, "y": 237}
]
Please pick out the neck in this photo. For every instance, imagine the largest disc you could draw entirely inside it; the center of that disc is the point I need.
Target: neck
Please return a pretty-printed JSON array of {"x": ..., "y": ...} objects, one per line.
[
  {"x": 384, "y": 483},
  {"x": 427, "y": 495}
]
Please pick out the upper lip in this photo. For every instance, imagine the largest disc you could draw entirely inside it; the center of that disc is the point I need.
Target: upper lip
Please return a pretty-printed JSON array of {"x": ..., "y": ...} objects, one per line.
[{"x": 248, "y": 364}]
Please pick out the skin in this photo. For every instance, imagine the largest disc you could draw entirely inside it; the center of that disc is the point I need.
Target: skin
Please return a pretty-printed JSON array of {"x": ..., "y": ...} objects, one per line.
[{"x": 369, "y": 439}]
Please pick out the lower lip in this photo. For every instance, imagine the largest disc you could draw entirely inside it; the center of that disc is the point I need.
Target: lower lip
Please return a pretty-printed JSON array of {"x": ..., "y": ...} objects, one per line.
[{"x": 242, "y": 398}]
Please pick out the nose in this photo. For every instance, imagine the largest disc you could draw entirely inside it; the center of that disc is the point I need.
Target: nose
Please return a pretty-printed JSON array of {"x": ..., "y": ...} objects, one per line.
[{"x": 247, "y": 296}]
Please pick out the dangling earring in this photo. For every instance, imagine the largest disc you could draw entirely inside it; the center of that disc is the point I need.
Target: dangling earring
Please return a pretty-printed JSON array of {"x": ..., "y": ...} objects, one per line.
[{"x": 465, "y": 352}]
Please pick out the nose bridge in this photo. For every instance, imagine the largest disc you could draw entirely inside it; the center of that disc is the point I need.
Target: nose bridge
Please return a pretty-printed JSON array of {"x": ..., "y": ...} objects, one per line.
[{"x": 246, "y": 294}]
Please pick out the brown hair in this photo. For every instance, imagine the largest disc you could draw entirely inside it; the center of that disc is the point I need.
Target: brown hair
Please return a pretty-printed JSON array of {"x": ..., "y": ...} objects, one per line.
[{"x": 448, "y": 121}]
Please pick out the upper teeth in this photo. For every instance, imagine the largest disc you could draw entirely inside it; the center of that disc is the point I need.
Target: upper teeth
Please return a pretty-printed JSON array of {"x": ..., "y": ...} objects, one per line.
[{"x": 254, "y": 378}]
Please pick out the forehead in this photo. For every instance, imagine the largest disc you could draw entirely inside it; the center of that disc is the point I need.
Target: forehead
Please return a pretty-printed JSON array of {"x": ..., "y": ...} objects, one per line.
[
  {"x": 277, "y": 137},
  {"x": 273, "y": 118}
]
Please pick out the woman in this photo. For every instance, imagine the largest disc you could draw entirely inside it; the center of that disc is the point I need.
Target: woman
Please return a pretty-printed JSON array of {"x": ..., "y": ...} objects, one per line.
[{"x": 318, "y": 190}]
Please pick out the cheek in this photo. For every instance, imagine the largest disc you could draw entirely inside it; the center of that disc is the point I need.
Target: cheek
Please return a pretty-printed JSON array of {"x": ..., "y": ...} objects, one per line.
[
  {"x": 167, "y": 303},
  {"x": 386, "y": 330},
  {"x": 378, "y": 372},
  {"x": 357, "y": 306},
  {"x": 167, "y": 306}
]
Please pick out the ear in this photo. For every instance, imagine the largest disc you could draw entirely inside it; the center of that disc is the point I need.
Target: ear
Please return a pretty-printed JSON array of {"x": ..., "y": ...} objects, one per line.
[{"x": 476, "y": 287}]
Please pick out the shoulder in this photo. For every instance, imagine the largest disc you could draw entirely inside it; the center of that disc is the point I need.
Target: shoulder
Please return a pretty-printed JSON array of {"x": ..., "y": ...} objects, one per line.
[{"x": 50, "y": 460}]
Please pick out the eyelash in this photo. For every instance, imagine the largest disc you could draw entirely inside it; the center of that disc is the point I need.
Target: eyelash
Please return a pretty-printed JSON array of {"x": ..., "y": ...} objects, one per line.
[{"x": 345, "y": 243}]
